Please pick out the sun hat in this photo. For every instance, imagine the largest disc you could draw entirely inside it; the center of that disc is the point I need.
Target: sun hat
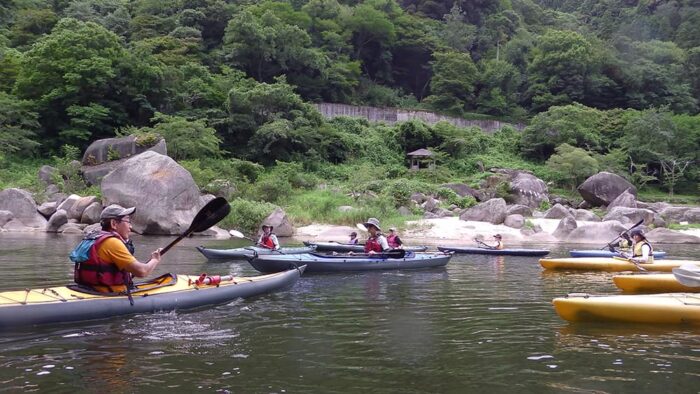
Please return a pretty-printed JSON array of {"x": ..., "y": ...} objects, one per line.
[
  {"x": 497, "y": 236},
  {"x": 637, "y": 231},
  {"x": 373, "y": 222},
  {"x": 267, "y": 225},
  {"x": 115, "y": 211}
]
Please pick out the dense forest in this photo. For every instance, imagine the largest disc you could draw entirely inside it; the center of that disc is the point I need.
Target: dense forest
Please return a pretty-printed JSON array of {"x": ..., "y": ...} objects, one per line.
[{"x": 603, "y": 85}]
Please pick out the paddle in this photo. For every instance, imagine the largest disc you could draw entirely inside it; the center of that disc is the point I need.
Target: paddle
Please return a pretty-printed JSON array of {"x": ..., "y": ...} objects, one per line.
[
  {"x": 630, "y": 260},
  {"x": 688, "y": 275},
  {"x": 624, "y": 232},
  {"x": 239, "y": 234},
  {"x": 482, "y": 244},
  {"x": 209, "y": 215}
]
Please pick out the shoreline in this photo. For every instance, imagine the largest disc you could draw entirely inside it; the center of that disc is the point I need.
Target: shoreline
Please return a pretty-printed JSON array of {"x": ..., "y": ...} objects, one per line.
[{"x": 453, "y": 231}]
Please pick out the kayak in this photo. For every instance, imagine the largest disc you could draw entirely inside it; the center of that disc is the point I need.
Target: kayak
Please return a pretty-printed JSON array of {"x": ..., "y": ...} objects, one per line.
[
  {"x": 317, "y": 262},
  {"x": 500, "y": 252},
  {"x": 658, "y": 254},
  {"x": 673, "y": 308},
  {"x": 358, "y": 248},
  {"x": 242, "y": 253},
  {"x": 652, "y": 283},
  {"x": 165, "y": 293},
  {"x": 609, "y": 264}
]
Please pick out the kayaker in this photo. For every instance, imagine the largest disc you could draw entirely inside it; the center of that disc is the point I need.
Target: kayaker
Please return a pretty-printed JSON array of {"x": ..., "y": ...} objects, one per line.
[
  {"x": 393, "y": 239},
  {"x": 642, "y": 251},
  {"x": 268, "y": 239},
  {"x": 376, "y": 243},
  {"x": 353, "y": 239},
  {"x": 111, "y": 268},
  {"x": 498, "y": 245}
]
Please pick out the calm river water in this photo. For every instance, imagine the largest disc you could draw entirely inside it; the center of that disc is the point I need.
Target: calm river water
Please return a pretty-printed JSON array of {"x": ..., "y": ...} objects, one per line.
[{"x": 481, "y": 324}]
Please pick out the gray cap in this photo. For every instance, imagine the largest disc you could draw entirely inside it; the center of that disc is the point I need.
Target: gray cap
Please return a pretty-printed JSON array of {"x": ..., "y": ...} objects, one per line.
[
  {"x": 374, "y": 222},
  {"x": 115, "y": 211}
]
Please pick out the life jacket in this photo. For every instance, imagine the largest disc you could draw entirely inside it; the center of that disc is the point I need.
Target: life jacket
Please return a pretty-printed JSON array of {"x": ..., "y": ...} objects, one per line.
[
  {"x": 637, "y": 252},
  {"x": 267, "y": 242},
  {"x": 353, "y": 241},
  {"x": 373, "y": 244},
  {"x": 499, "y": 246},
  {"x": 95, "y": 272},
  {"x": 391, "y": 240}
]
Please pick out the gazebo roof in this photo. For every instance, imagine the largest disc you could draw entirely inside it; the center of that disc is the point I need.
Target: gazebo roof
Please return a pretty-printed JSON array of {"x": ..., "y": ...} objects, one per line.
[{"x": 420, "y": 152}]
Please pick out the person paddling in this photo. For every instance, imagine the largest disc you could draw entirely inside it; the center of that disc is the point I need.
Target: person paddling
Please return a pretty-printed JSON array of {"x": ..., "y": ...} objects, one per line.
[
  {"x": 393, "y": 239},
  {"x": 376, "y": 243},
  {"x": 110, "y": 264},
  {"x": 268, "y": 239},
  {"x": 498, "y": 245},
  {"x": 642, "y": 251},
  {"x": 353, "y": 239}
]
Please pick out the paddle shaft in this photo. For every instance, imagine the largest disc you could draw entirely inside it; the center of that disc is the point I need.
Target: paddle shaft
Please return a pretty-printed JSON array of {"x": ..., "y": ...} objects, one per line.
[
  {"x": 209, "y": 215},
  {"x": 624, "y": 232}
]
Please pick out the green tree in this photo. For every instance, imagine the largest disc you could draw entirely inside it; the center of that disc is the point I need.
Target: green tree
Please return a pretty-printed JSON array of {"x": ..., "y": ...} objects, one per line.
[
  {"x": 452, "y": 85},
  {"x": 18, "y": 125},
  {"x": 571, "y": 165},
  {"x": 498, "y": 87},
  {"x": 187, "y": 139}
]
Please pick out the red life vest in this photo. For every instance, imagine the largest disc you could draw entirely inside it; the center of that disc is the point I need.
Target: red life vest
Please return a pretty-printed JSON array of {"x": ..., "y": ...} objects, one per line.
[
  {"x": 267, "y": 242},
  {"x": 391, "y": 240},
  {"x": 95, "y": 272},
  {"x": 372, "y": 244}
]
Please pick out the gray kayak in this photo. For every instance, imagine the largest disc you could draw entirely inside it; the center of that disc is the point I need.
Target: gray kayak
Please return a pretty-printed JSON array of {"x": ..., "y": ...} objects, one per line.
[
  {"x": 243, "y": 253},
  {"x": 319, "y": 262},
  {"x": 357, "y": 248}
]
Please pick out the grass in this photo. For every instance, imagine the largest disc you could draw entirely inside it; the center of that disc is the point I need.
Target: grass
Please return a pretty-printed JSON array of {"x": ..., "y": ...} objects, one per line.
[
  {"x": 657, "y": 195},
  {"x": 22, "y": 174},
  {"x": 676, "y": 226}
]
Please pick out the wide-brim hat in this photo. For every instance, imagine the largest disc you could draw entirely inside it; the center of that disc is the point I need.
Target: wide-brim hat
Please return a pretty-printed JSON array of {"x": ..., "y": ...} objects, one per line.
[
  {"x": 267, "y": 225},
  {"x": 115, "y": 211},
  {"x": 637, "y": 231},
  {"x": 497, "y": 236},
  {"x": 373, "y": 222}
]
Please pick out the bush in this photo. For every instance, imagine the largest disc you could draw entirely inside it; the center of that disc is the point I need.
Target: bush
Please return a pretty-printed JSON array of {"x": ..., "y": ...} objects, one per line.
[
  {"x": 271, "y": 188},
  {"x": 246, "y": 215}
]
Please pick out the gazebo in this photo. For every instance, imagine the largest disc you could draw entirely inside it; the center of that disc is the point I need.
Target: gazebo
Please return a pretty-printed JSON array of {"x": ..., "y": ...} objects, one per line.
[{"x": 421, "y": 159}]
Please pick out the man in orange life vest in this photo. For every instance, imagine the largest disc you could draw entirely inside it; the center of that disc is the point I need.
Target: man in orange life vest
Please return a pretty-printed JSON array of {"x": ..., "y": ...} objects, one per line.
[
  {"x": 111, "y": 264},
  {"x": 268, "y": 239},
  {"x": 376, "y": 243}
]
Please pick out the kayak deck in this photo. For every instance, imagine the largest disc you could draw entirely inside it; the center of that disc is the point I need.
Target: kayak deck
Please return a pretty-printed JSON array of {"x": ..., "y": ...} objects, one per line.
[
  {"x": 316, "y": 262},
  {"x": 499, "y": 252},
  {"x": 658, "y": 254},
  {"x": 674, "y": 308},
  {"x": 610, "y": 264},
  {"x": 651, "y": 283}
]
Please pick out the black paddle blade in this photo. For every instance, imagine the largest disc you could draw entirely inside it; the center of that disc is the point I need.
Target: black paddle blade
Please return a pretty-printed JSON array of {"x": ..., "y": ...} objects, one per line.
[
  {"x": 395, "y": 253},
  {"x": 209, "y": 215}
]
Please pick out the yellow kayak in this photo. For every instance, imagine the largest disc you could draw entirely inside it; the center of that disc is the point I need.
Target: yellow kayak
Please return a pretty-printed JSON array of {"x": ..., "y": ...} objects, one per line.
[
  {"x": 165, "y": 293},
  {"x": 674, "y": 308},
  {"x": 652, "y": 283},
  {"x": 610, "y": 264}
]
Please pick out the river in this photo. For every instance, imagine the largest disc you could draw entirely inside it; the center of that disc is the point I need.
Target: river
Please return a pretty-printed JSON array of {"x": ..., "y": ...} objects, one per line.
[{"x": 480, "y": 324}]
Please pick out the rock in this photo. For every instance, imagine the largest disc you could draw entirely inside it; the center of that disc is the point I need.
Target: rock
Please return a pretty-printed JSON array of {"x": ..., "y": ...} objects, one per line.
[
  {"x": 16, "y": 225},
  {"x": 57, "y": 220},
  {"x": 442, "y": 212},
  {"x": 57, "y": 197},
  {"x": 96, "y": 159},
  {"x": 76, "y": 210},
  {"x": 519, "y": 209},
  {"x": 47, "y": 209},
  {"x": 659, "y": 221},
  {"x": 514, "y": 221},
  {"x": 278, "y": 220},
  {"x": 585, "y": 215},
  {"x": 5, "y": 216},
  {"x": 657, "y": 206},
  {"x": 163, "y": 192},
  {"x": 418, "y": 197},
  {"x": 91, "y": 228},
  {"x": 603, "y": 187},
  {"x": 345, "y": 208},
  {"x": 537, "y": 214},
  {"x": 596, "y": 232},
  {"x": 493, "y": 211},
  {"x": 71, "y": 228},
  {"x": 404, "y": 211},
  {"x": 585, "y": 205},
  {"x": 68, "y": 203},
  {"x": 527, "y": 231},
  {"x": 430, "y": 204},
  {"x": 565, "y": 227},
  {"x": 23, "y": 208},
  {"x": 692, "y": 215},
  {"x": 668, "y": 236},
  {"x": 527, "y": 189},
  {"x": 626, "y": 199},
  {"x": 430, "y": 215},
  {"x": 216, "y": 232},
  {"x": 542, "y": 237},
  {"x": 91, "y": 214},
  {"x": 554, "y": 200},
  {"x": 630, "y": 215},
  {"x": 463, "y": 190},
  {"x": 557, "y": 212},
  {"x": 46, "y": 174}
]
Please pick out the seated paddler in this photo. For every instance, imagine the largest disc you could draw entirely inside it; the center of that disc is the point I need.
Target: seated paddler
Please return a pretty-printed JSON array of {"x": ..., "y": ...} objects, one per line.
[
  {"x": 268, "y": 239},
  {"x": 642, "y": 251},
  {"x": 109, "y": 264},
  {"x": 376, "y": 243}
]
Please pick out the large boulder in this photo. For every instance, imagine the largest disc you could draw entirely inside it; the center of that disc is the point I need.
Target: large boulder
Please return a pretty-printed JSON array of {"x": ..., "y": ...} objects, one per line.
[
  {"x": 103, "y": 156},
  {"x": 558, "y": 211},
  {"x": 692, "y": 215},
  {"x": 597, "y": 233},
  {"x": 23, "y": 208},
  {"x": 585, "y": 215},
  {"x": 527, "y": 189},
  {"x": 91, "y": 214},
  {"x": 47, "y": 173},
  {"x": 163, "y": 192},
  {"x": 5, "y": 216},
  {"x": 673, "y": 214},
  {"x": 57, "y": 220},
  {"x": 76, "y": 211},
  {"x": 668, "y": 236},
  {"x": 519, "y": 209},
  {"x": 493, "y": 211},
  {"x": 47, "y": 209},
  {"x": 565, "y": 227},
  {"x": 626, "y": 199},
  {"x": 514, "y": 221},
  {"x": 280, "y": 223},
  {"x": 630, "y": 215},
  {"x": 604, "y": 187}
]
